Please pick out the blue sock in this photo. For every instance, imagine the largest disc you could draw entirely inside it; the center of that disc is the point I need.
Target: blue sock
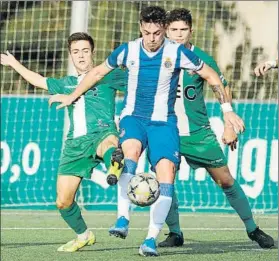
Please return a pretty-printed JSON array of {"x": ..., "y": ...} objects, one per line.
[
  {"x": 130, "y": 166},
  {"x": 166, "y": 189}
]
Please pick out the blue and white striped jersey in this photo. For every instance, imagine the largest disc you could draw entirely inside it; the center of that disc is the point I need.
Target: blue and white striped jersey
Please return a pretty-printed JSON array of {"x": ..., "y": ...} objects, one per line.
[{"x": 152, "y": 77}]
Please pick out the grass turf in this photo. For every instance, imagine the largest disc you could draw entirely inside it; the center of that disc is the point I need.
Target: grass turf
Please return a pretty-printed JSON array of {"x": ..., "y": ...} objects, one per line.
[{"x": 35, "y": 235}]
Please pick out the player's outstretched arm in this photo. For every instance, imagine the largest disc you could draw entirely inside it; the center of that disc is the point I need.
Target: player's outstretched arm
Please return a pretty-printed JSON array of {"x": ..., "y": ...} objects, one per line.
[
  {"x": 32, "y": 77},
  {"x": 91, "y": 78},
  {"x": 213, "y": 79},
  {"x": 262, "y": 68}
]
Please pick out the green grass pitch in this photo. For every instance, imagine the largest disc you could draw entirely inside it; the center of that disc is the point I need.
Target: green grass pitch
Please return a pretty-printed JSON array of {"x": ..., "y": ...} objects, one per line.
[{"x": 35, "y": 235}]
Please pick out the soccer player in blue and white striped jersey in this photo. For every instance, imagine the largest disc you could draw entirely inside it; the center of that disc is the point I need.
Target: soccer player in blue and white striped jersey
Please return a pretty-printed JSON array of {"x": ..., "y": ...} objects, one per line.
[{"x": 148, "y": 120}]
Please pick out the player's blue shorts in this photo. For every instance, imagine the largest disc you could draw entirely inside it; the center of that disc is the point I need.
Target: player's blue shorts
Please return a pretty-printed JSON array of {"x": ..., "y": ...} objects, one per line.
[{"x": 160, "y": 138}]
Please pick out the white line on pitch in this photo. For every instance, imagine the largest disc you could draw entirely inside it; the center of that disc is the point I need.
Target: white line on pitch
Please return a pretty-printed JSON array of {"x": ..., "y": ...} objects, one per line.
[
  {"x": 136, "y": 228},
  {"x": 267, "y": 216}
]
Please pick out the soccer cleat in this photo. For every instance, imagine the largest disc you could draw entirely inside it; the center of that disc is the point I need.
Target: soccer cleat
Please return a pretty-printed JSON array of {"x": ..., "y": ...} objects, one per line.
[
  {"x": 116, "y": 167},
  {"x": 264, "y": 240},
  {"x": 148, "y": 248},
  {"x": 172, "y": 240},
  {"x": 77, "y": 244},
  {"x": 120, "y": 229}
]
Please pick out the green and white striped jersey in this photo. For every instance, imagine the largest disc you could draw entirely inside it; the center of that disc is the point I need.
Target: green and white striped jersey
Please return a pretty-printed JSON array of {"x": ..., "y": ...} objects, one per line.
[
  {"x": 94, "y": 111},
  {"x": 190, "y": 105}
]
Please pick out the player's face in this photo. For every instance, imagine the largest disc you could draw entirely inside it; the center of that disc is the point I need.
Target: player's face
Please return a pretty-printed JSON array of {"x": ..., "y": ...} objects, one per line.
[
  {"x": 180, "y": 32},
  {"x": 82, "y": 56},
  {"x": 153, "y": 36}
]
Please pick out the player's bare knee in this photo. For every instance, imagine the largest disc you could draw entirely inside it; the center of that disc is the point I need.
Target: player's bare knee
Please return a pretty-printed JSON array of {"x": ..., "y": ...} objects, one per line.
[
  {"x": 227, "y": 180},
  {"x": 63, "y": 203},
  {"x": 107, "y": 143},
  {"x": 132, "y": 149},
  {"x": 165, "y": 170}
]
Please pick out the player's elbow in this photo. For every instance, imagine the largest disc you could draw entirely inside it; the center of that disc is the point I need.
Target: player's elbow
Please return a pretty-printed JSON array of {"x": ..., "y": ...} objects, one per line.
[
  {"x": 211, "y": 76},
  {"x": 96, "y": 74},
  {"x": 41, "y": 83}
]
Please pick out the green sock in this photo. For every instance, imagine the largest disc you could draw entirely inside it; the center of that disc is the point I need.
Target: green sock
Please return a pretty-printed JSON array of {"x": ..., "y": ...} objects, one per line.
[
  {"x": 239, "y": 202},
  {"x": 73, "y": 218},
  {"x": 107, "y": 156},
  {"x": 172, "y": 219}
]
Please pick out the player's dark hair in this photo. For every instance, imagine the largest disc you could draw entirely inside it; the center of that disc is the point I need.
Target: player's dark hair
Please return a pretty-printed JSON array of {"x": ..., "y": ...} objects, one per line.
[
  {"x": 79, "y": 37},
  {"x": 153, "y": 14},
  {"x": 180, "y": 14}
]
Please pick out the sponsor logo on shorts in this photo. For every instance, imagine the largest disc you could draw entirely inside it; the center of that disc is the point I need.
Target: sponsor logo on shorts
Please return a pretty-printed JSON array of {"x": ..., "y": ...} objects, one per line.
[
  {"x": 176, "y": 154},
  {"x": 122, "y": 133},
  {"x": 216, "y": 161},
  {"x": 102, "y": 124}
]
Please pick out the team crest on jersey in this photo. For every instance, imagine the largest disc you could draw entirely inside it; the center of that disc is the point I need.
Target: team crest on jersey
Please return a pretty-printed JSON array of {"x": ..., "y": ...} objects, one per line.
[{"x": 168, "y": 63}]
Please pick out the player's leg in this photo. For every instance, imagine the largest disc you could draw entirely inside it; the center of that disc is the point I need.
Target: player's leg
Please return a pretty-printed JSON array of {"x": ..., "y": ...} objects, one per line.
[
  {"x": 77, "y": 161},
  {"x": 208, "y": 154},
  {"x": 163, "y": 147},
  {"x": 70, "y": 212},
  {"x": 175, "y": 236},
  {"x": 132, "y": 139},
  {"x": 240, "y": 204},
  {"x": 216, "y": 164},
  {"x": 112, "y": 154},
  {"x": 165, "y": 172},
  {"x": 106, "y": 148},
  {"x": 131, "y": 150}
]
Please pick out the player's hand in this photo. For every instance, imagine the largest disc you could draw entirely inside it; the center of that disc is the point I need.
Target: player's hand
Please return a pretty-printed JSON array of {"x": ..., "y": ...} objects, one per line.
[
  {"x": 64, "y": 99},
  {"x": 229, "y": 137},
  {"x": 7, "y": 59},
  {"x": 262, "y": 68},
  {"x": 232, "y": 119}
]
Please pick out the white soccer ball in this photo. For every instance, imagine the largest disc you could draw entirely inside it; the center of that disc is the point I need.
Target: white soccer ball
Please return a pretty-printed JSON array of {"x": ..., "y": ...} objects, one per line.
[{"x": 143, "y": 189}]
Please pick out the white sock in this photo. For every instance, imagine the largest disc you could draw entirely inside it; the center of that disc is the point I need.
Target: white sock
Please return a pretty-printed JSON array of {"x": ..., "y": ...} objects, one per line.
[
  {"x": 158, "y": 214},
  {"x": 83, "y": 236},
  {"x": 124, "y": 202}
]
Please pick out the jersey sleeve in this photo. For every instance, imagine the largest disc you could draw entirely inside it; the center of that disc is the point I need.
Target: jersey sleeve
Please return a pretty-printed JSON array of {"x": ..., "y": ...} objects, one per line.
[
  {"x": 188, "y": 60},
  {"x": 119, "y": 80},
  {"x": 116, "y": 79},
  {"x": 117, "y": 57},
  {"x": 55, "y": 86},
  {"x": 214, "y": 66}
]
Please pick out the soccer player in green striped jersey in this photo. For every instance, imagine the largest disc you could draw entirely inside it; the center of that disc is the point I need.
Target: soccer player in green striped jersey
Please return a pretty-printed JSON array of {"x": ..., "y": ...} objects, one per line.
[
  {"x": 92, "y": 136},
  {"x": 198, "y": 143}
]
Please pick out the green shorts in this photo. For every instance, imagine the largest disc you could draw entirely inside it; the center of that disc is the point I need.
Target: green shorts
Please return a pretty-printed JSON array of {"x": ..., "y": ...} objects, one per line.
[
  {"x": 202, "y": 150},
  {"x": 79, "y": 155}
]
